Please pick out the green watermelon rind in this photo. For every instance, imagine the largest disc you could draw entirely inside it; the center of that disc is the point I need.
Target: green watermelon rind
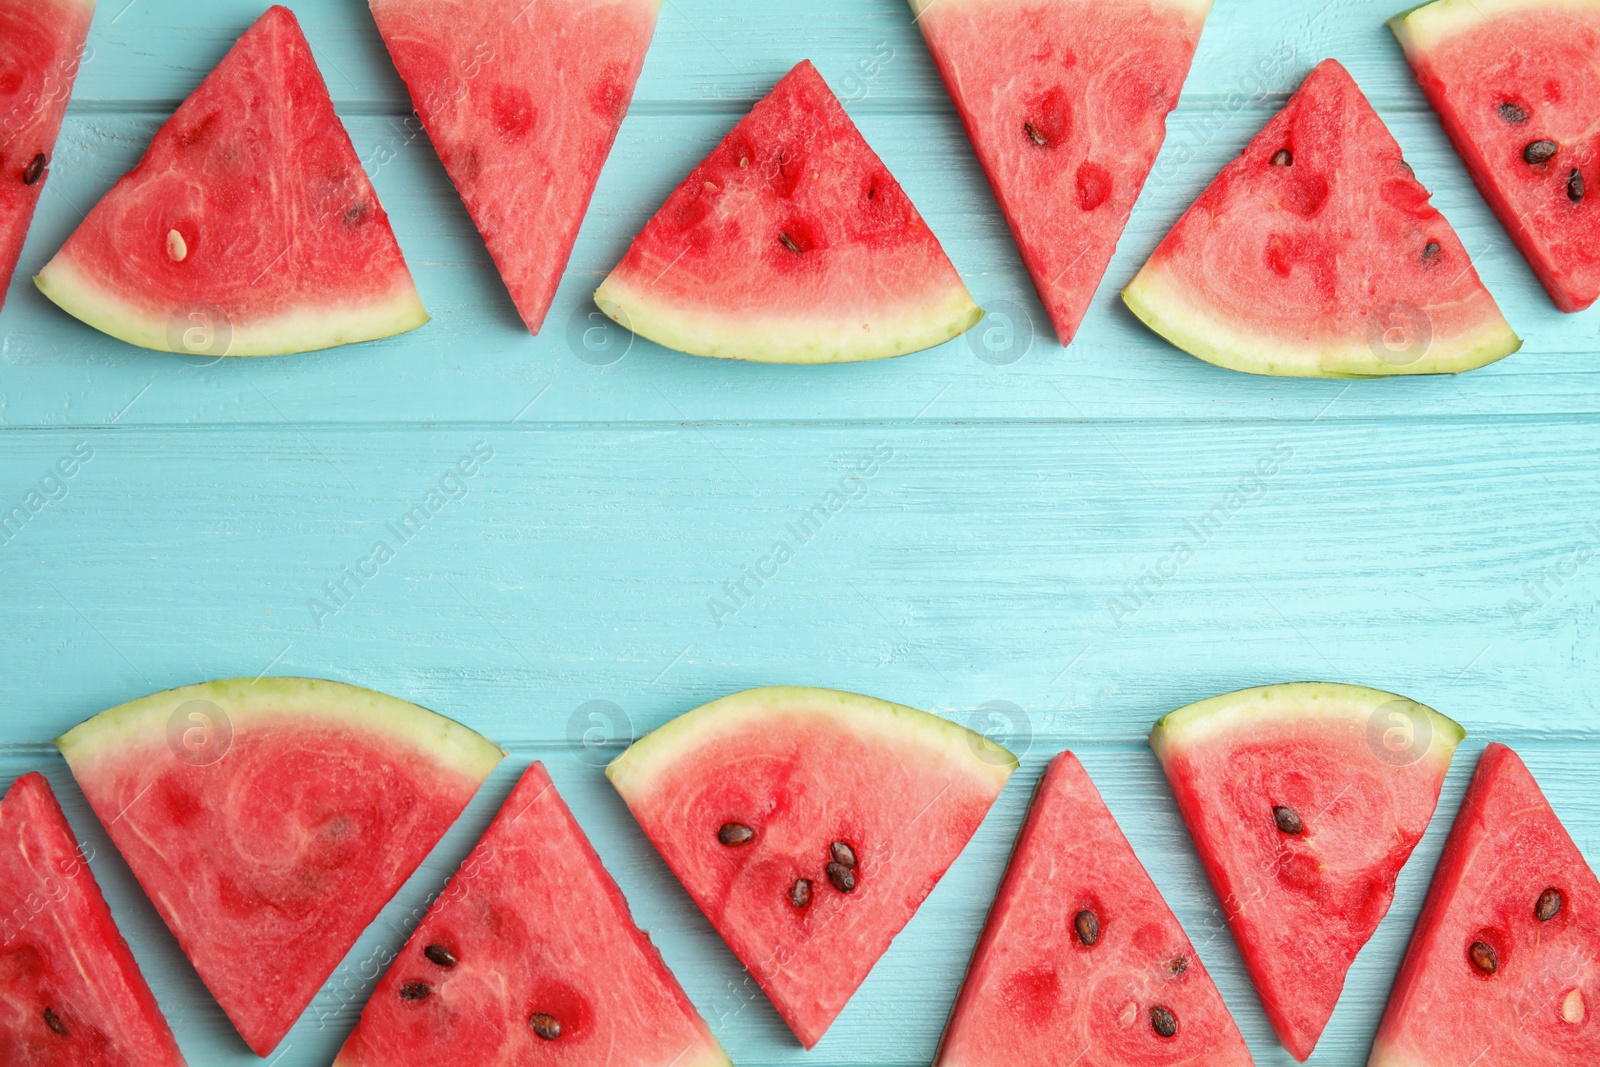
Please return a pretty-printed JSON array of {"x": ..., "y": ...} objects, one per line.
[
  {"x": 1424, "y": 26},
  {"x": 1166, "y": 309},
  {"x": 445, "y": 742},
  {"x": 637, "y": 768},
  {"x": 1236, "y": 712},
  {"x": 303, "y": 329}
]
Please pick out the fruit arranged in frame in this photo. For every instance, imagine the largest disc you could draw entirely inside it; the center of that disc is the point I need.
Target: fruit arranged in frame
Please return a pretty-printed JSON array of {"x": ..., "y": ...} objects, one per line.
[
  {"x": 1317, "y": 254},
  {"x": 1081, "y": 960},
  {"x": 809, "y": 825},
  {"x": 1504, "y": 963},
  {"x": 530, "y": 955},
  {"x": 790, "y": 243},
  {"x": 270, "y": 820},
  {"x": 522, "y": 101},
  {"x": 1305, "y": 801},
  {"x": 41, "y": 44},
  {"x": 248, "y": 228},
  {"x": 70, "y": 991},
  {"x": 1066, "y": 105},
  {"x": 1525, "y": 119}
]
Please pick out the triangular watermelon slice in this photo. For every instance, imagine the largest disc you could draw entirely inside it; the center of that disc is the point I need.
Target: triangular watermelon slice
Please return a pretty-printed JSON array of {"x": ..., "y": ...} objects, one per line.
[
  {"x": 1081, "y": 961},
  {"x": 271, "y": 820},
  {"x": 522, "y": 101},
  {"x": 1525, "y": 119},
  {"x": 41, "y": 44},
  {"x": 1066, "y": 104},
  {"x": 1305, "y": 801},
  {"x": 1317, "y": 254},
  {"x": 70, "y": 991},
  {"x": 1504, "y": 965},
  {"x": 248, "y": 228},
  {"x": 529, "y": 956},
  {"x": 790, "y": 243},
  {"x": 808, "y": 825}
]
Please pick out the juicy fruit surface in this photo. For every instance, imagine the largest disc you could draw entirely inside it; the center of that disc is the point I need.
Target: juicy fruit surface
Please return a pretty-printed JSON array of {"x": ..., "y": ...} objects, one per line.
[
  {"x": 531, "y": 925},
  {"x": 270, "y": 821},
  {"x": 1358, "y": 773},
  {"x": 1537, "y": 1007},
  {"x": 802, "y": 770},
  {"x": 522, "y": 102},
  {"x": 1317, "y": 253},
  {"x": 1495, "y": 101},
  {"x": 790, "y": 242},
  {"x": 70, "y": 991},
  {"x": 1066, "y": 117},
  {"x": 248, "y": 227},
  {"x": 38, "y": 64},
  {"x": 1047, "y": 987}
]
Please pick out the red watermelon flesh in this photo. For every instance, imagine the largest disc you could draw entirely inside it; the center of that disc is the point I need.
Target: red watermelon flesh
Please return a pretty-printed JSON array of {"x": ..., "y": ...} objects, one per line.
[
  {"x": 1081, "y": 960},
  {"x": 1065, "y": 103},
  {"x": 1304, "y": 800},
  {"x": 1497, "y": 101},
  {"x": 530, "y": 956},
  {"x": 1510, "y": 881},
  {"x": 1316, "y": 253},
  {"x": 790, "y": 243},
  {"x": 270, "y": 820},
  {"x": 809, "y": 825},
  {"x": 522, "y": 101},
  {"x": 41, "y": 43},
  {"x": 71, "y": 994},
  {"x": 248, "y": 228}
]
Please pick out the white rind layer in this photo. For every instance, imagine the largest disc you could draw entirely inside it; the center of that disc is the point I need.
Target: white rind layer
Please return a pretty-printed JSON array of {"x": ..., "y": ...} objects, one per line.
[{"x": 1423, "y": 28}]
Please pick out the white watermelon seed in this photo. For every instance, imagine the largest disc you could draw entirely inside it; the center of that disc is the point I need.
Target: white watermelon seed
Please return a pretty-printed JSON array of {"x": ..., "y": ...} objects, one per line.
[{"x": 177, "y": 247}]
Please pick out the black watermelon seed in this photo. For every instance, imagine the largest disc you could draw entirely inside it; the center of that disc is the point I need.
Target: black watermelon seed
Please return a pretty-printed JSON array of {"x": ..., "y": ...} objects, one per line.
[
  {"x": 1548, "y": 906},
  {"x": 1178, "y": 965},
  {"x": 1034, "y": 135},
  {"x": 1540, "y": 152},
  {"x": 800, "y": 892},
  {"x": 1288, "y": 821},
  {"x": 1512, "y": 113},
  {"x": 1163, "y": 1022},
  {"x": 53, "y": 1021},
  {"x": 35, "y": 169},
  {"x": 843, "y": 854},
  {"x": 1283, "y": 158},
  {"x": 1430, "y": 251},
  {"x": 416, "y": 991},
  {"x": 1483, "y": 957},
  {"x": 842, "y": 877},
  {"x": 788, "y": 242},
  {"x": 1409, "y": 168},
  {"x": 440, "y": 955},
  {"x": 1575, "y": 185},
  {"x": 734, "y": 834},
  {"x": 544, "y": 1025},
  {"x": 1086, "y": 924}
]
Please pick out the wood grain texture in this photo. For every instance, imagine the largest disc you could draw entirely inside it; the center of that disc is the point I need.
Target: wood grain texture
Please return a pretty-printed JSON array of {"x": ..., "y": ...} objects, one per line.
[{"x": 1013, "y": 564}]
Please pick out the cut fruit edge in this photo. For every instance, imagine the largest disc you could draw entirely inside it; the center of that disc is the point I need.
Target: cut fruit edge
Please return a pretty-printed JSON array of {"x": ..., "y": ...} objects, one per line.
[{"x": 1424, "y": 26}]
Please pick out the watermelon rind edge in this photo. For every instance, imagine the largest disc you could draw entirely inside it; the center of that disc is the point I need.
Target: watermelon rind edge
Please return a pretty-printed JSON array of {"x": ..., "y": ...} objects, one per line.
[
  {"x": 1197, "y": 7},
  {"x": 1425, "y": 25},
  {"x": 443, "y": 740}
]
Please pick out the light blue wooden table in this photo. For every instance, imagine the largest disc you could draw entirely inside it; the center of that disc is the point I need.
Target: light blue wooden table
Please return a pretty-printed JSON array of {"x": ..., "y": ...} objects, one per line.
[{"x": 1400, "y": 544}]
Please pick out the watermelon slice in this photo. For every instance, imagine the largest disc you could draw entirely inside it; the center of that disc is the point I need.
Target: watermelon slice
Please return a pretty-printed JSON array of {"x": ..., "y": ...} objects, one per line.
[
  {"x": 41, "y": 43},
  {"x": 522, "y": 101},
  {"x": 1317, "y": 254},
  {"x": 1504, "y": 965},
  {"x": 248, "y": 228},
  {"x": 71, "y": 994},
  {"x": 790, "y": 243},
  {"x": 1526, "y": 120},
  {"x": 1081, "y": 960},
  {"x": 808, "y": 825},
  {"x": 1304, "y": 800},
  {"x": 1066, "y": 104},
  {"x": 271, "y": 820},
  {"x": 530, "y": 956}
]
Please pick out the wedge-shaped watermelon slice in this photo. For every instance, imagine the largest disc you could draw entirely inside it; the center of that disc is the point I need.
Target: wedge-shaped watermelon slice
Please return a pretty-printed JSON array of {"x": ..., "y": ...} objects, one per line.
[
  {"x": 248, "y": 228},
  {"x": 41, "y": 43},
  {"x": 529, "y": 956},
  {"x": 1504, "y": 964},
  {"x": 70, "y": 991},
  {"x": 1081, "y": 960},
  {"x": 1526, "y": 120},
  {"x": 271, "y": 820},
  {"x": 790, "y": 243},
  {"x": 1066, "y": 104},
  {"x": 808, "y": 825},
  {"x": 1317, "y": 254},
  {"x": 522, "y": 101},
  {"x": 1305, "y": 801}
]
